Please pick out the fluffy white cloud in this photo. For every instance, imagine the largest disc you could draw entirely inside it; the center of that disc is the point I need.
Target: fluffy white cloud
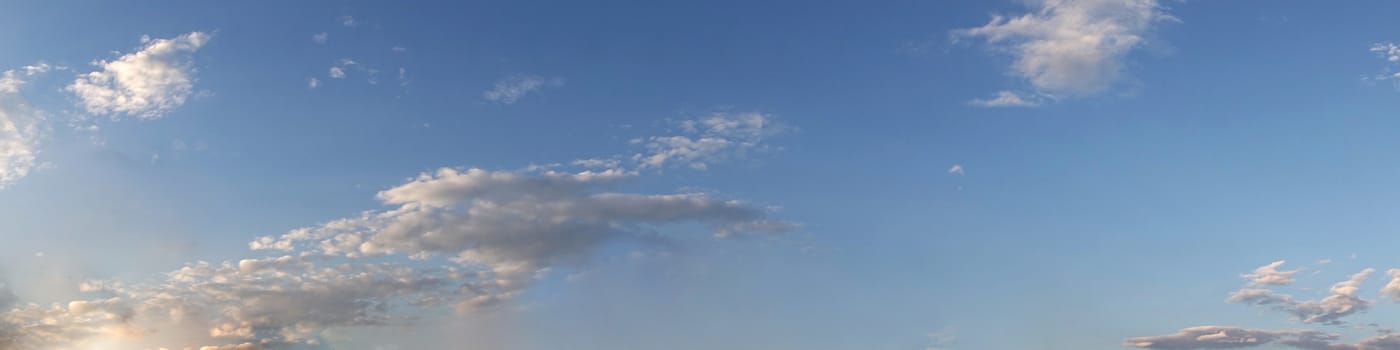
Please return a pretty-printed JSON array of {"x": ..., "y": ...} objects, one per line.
[
  {"x": 1270, "y": 275},
  {"x": 1007, "y": 99},
  {"x": 336, "y": 73},
  {"x": 1071, "y": 47},
  {"x": 710, "y": 139},
  {"x": 145, "y": 84},
  {"x": 511, "y": 89}
]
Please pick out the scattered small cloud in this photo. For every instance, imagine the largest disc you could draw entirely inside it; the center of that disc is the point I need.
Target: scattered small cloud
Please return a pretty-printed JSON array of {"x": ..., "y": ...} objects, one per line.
[
  {"x": 313, "y": 83},
  {"x": 320, "y": 38},
  {"x": 336, "y": 73},
  {"x": 717, "y": 137},
  {"x": 348, "y": 21}
]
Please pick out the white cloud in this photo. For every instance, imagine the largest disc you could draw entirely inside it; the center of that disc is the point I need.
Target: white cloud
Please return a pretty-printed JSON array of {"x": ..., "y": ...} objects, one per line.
[
  {"x": 1006, "y": 99},
  {"x": 1341, "y": 301},
  {"x": 717, "y": 137},
  {"x": 313, "y": 83},
  {"x": 348, "y": 21},
  {"x": 1072, "y": 47},
  {"x": 320, "y": 38},
  {"x": 956, "y": 169},
  {"x": 1270, "y": 275},
  {"x": 147, "y": 83},
  {"x": 511, "y": 89},
  {"x": 336, "y": 73}
]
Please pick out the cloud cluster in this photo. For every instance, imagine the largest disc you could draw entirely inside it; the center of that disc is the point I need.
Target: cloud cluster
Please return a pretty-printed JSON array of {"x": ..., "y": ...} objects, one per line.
[
  {"x": 510, "y": 90},
  {"x": 145, "y": 84},
  {"x": 1069, "y": 47},
  {"x": 1342, "y": 300},
  {"x": 1391, "y": 53},
  {"x": 710, "y": 139},
  {"x": 449, "y": 240}
]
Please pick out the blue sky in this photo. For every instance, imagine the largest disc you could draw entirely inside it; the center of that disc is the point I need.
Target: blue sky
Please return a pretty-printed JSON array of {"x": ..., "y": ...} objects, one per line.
[{"x": 1058, "y": 174}]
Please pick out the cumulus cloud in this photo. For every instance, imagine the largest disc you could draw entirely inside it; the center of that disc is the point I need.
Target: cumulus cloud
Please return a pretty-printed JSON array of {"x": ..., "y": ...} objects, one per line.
[
  {"x": 145, "y": 84},
  {"x": 1340, "y": 301},
  {"x": 336, "y": 73},
  {"x": 1071, "y": 47},
  {"x": 717, "y": 137},
  {"x": 1006, "y": 99},
  {"x": 452, "y": 239},
  {"x": 510, "y": 90}
]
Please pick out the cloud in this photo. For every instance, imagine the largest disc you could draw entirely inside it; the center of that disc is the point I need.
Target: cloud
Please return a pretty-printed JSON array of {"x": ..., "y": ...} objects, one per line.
[
  {"x": 450, "y": 240},
  {"x": 511, "y": 89},
  {"x": 11, "y": 80},
  {"x": 1071, "y": 47},
  {"x": 320, "y": 38},
  {"x": 1391, "y": 53},
  {"x": 1006, "y": 99},
  {"x": 714, "y": 138},
  {"x": 348, "y": 21},
  {"x": 956, "y": 169},
  {"x": 313, "y": 83},
  {"x": 1270, "y": 275},
  {"x": 19, "y": 138},
  {"x": 336, "y": 73},
  {"x": 1340, "y": 302},
  {"x": 145, "y": 84}
]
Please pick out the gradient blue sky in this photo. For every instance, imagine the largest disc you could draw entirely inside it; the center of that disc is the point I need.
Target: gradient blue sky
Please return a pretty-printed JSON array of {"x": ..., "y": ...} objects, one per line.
[{"x": 1143, "y": 155}]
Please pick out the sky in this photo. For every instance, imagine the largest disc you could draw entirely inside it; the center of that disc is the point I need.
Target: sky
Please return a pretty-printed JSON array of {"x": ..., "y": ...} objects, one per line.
[{"x": 624, "y": 174}]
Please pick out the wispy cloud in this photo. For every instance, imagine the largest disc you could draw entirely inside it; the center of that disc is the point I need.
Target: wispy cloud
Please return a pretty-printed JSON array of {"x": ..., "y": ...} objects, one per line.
[
  {"x": 510, "y": 90},
  {"x": 320, "y": 38},
  {"x": 1006, "y": 99}
]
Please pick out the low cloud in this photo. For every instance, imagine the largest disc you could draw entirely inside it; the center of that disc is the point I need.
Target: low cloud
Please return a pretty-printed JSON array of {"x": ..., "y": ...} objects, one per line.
[{"x": 145, "y": 84}]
